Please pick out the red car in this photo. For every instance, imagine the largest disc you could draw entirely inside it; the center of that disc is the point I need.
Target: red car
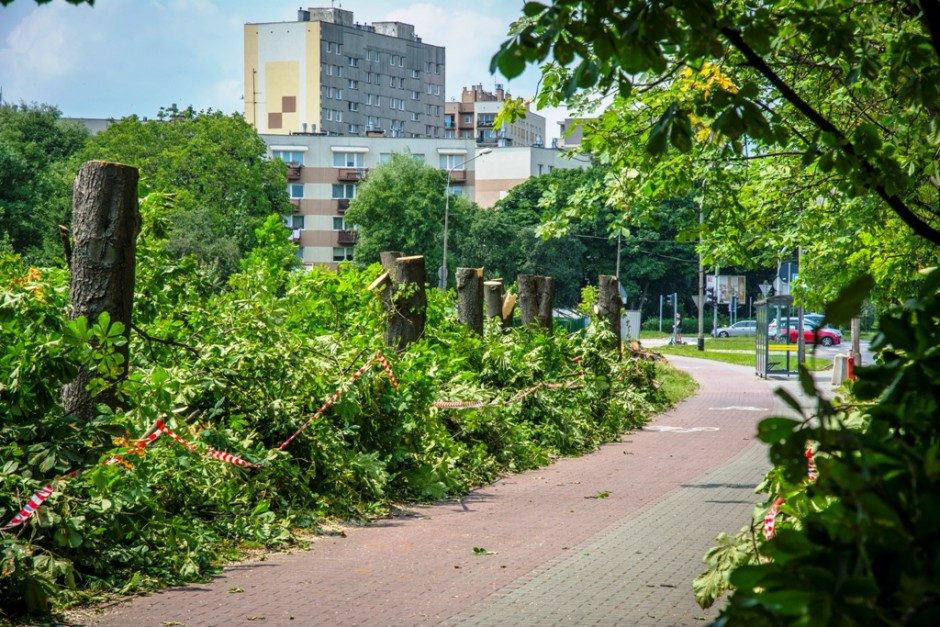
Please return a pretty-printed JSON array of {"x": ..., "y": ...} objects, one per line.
[{"x": 827, "y": 336}]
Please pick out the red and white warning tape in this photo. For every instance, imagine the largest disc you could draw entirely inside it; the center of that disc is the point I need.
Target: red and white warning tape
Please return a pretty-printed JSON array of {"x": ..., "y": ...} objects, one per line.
[
  {"x": 30, "y": 508},
  {"x": 377, "y": 356},
  {"x": 770, "y": 520},
  {"x": 811, "y": 471},
  {"x": 213, "y": 453}
]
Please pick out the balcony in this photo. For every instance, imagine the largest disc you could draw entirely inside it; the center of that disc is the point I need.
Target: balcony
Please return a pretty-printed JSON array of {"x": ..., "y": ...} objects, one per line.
[
  {"x": 347, "y": 238},
  {"x": 296, "y": 203},
  {"x": 458, "y": 176},
  {"x": 293, "y": 171},
  {"x": 342, "y": 205},
  {"x": 294, "y": 236},
  {"x": 351, "y": 174}
]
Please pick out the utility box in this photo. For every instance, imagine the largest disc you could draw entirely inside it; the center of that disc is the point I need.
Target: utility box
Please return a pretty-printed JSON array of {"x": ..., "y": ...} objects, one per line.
[{"x": 629, "y": 325}]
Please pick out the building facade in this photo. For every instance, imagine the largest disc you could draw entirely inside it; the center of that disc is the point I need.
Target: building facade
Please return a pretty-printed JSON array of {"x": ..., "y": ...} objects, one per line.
[
  {"x": 505, "y": 168},
  {"x": 327, "y": 74},
  {"x": 324, "y": 173},
  {"x": 474, "y": 117}
]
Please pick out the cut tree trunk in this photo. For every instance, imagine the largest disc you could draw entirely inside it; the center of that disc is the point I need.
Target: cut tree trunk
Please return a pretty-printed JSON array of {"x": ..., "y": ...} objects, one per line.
[
  {"x": 536, "y": 299},
  {"x": 470, "y": 298},
  {"x": 105, "y": 224},
  {"x": 407, "y": 304},
  {"x": 493, "y": 297},
  {"x": 608, "y": 306}
]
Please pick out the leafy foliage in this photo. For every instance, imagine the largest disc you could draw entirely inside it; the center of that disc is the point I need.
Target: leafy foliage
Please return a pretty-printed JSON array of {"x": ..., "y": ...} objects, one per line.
[
  {"x": 215, "y": 167},
  {"x": 857, "y": 544},
  {"x": 793, "y": 124},
  {"x": 35, "y": 192},
  {"x": 239, "y": 367}
]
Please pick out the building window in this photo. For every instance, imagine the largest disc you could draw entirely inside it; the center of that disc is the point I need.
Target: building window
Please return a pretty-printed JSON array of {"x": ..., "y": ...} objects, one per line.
[
  {"x": 415, "y": 74},
  {"x": 448, "y": 134},
  {"x": 339, "y": 224},
  {"x": 352, "y": 84},
  {"x": 393, "y": 59},
  {"x": 453, "y": 162},
  {"x": 329, "y": 70},
  {"x": 329, "y": 114},
  {"x": 294, "y": 222},
  {"x": 353, "y": 61},
  {"x": 414, "y": 116},
  {"x": 354, "y": 128},
  {"x": 348, "y": 160},
  {"x": 289, "y": 156},
  {"x": 344, "y": 190},
  {"x": 353, "y": 106},
  {"x": 415, "y": 95},
  {"x": 343, "y": 253},
  {"x": 385, "y": 157},
  {"x": 296, "y": 190}
]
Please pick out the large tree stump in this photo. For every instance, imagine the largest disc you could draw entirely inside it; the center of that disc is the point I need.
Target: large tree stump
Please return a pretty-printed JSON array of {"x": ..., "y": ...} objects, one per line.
[
  {"x": 470, "y": 298},
  {"x": 105, "y": 224},
  {"x": 536, "y": 299},
  {"x": 407, "y": 304},
  {"x": 609, "y": 305}
]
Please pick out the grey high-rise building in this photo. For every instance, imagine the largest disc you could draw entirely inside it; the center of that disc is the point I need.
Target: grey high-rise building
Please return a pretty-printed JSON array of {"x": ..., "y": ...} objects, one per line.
[{"x": 326, "y": 73}]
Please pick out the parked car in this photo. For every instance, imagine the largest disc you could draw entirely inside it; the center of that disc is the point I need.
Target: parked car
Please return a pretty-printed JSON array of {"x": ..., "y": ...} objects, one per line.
[
  {"x": 738, "y": 329},
  {"x": 812, "y": 333}
]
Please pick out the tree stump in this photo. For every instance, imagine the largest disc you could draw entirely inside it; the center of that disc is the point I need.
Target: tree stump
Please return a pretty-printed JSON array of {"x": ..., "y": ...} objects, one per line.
[
  {"x": 536, "y": 300},
  {"x": 105, "y": 224},
  {"x": 470, "y": 298},
  {"x": 493, "y": 297},
  {"x": 609, "y": 305},
  {"x": 407, "y": 303}
]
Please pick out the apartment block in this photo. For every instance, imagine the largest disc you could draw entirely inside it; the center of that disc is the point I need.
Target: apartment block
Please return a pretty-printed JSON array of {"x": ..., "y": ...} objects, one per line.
[
  {"x": 325, "y": 171},
  {"x": 474, "y": 117},
  {"x": 326, "y": 73},
  {"x": 504, "y": 168}
]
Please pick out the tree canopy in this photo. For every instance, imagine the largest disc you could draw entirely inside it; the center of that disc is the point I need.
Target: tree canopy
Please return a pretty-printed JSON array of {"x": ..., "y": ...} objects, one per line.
[
  {"x": 35, "y": 150},
  {"x": 797, "y": 124},
  {"x": 400, "y": 206},
  {"x": 223, "y": 187}
]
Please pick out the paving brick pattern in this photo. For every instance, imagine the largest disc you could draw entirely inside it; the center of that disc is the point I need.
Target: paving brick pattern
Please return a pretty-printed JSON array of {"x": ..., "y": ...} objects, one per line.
[{"x": 611, "y": 538}]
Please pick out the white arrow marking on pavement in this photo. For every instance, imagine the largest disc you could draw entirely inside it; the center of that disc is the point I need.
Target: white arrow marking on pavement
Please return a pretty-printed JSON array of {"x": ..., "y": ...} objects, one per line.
[
  {"x": 679, "y": 429},
  {"x": 738, "y": 408}
]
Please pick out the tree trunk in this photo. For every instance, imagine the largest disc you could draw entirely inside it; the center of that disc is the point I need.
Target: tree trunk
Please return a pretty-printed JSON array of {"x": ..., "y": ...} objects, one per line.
[
  {"x": 536, "y": 299},
  {"x": 856, "y": 330},
  {"x": 493, "y": 296},
  {"x": 470, "y": 298},
  {"x": 608, "y": 306},
  {"x": 388, "y": 258},
  {"x": 528, "y": 299},
  {"x": 546, "y": 287},
  {"x": 105, "y": 224},
  {"x": 407, "y": 307}
]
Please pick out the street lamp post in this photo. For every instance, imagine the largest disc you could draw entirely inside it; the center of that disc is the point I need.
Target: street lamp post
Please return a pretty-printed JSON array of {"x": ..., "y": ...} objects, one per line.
[{"x": 442, "y": 275}]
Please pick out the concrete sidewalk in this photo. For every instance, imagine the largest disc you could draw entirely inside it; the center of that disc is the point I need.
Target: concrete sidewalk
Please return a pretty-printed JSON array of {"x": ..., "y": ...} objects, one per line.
[{"x": 611, "y": 538}]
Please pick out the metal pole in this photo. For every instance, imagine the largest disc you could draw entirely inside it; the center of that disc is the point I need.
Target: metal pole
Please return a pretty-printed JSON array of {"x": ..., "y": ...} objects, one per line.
[
  {"x": 701, "y": 285},
  {"x": 660, "y": 313},
  {"x": 442, "y": 284},
  {"x": 717, "y": 298}
]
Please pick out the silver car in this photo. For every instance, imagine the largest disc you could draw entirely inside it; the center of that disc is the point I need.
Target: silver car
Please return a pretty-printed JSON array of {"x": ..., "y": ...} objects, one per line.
[{"x": 738, "y": 329}]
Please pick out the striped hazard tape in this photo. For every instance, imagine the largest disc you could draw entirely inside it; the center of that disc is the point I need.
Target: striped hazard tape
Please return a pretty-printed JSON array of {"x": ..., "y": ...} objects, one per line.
[
  {"x": 30, "y": 508},
  {"x": 213, "y": 453},
  {"x": 378, "y": 356},
  {"x": 770, "y": 520}
]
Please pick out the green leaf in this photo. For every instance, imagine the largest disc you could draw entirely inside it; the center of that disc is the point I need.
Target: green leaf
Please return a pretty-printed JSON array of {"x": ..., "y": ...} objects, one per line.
[
  {"x": 773, "y": 430},
  {"x": 848, "y": 303}
]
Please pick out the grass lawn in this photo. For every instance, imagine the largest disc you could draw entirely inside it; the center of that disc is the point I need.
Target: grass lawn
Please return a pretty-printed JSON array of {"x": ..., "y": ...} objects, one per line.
[{"x": 732, "y": 350}]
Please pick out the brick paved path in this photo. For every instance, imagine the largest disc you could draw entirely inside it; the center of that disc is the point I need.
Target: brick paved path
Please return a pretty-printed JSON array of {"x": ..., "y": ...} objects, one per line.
[{"x": 562, "y": 553}]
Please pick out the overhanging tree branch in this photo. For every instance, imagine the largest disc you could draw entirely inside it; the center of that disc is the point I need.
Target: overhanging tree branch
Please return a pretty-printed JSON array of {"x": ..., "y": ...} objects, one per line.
[{"x": 896, "y": 204}]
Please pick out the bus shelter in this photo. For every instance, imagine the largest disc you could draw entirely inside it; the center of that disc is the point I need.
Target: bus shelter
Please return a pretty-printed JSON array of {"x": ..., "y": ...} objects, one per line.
[{"x": 773, "y": 354}]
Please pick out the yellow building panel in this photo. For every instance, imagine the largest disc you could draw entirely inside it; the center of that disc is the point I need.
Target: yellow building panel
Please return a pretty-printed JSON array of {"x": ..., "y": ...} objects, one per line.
[
  {"x": 312, "y": 80},
  {"x": 281, "y": 93},
  {"x": 251, "y": 74}
]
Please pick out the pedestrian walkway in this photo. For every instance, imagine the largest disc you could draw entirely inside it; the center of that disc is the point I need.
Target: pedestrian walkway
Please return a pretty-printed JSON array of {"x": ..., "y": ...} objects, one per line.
[{"x": 610, "y": 538}]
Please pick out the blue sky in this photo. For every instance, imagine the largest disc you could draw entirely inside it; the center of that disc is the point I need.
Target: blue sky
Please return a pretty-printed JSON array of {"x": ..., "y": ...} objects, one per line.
[{"x": 135, "y": 56}]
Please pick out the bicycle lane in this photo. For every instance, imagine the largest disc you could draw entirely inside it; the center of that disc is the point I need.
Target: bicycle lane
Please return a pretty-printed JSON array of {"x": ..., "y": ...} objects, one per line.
[{"x": 614, "y": 537}]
